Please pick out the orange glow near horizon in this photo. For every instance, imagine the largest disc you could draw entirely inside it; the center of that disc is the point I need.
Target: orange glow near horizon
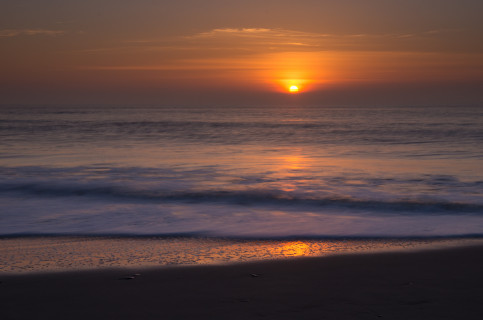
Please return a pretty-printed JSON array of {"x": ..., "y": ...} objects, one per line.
[
  {"x": 280, "y": 71},
  {"x": 291, "y": 72},
  {"x": 292, "y": 85}
]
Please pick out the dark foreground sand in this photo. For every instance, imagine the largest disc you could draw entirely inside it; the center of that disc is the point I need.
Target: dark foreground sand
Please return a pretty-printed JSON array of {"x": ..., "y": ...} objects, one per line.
[{"x": 437, "y": 284}]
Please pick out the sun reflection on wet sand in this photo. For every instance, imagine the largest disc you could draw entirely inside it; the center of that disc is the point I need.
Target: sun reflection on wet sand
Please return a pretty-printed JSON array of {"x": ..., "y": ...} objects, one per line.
[
  {"x": 55, "y": 254},
  {"x": 295, "y": 249}
]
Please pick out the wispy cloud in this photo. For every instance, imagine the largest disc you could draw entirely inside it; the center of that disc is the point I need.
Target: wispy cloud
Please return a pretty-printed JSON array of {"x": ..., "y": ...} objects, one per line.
[
  {"x": 236, "y": 31},
  {"x": 250, "y": 37},
  {"x": 8, "y": 33},
  {"x": 243, "y": 41},
  {"x": 257, "y": 40},
  {"x": 223, "y": 48},
  {"x": 285, "y": 37}
]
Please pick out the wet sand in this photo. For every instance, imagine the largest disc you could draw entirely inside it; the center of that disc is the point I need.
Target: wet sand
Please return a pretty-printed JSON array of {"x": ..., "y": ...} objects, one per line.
[
  {"x": 53, "y": 254},
  {"x": 426, "y": 284}
]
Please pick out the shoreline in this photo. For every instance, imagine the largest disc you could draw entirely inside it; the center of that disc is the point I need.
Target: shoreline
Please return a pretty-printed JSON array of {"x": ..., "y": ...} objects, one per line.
[{"x": 418, "y": 284}]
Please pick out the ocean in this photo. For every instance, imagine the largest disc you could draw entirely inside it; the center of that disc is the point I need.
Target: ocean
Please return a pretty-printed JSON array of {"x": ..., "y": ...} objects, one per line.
[{"x": 267, "y": 172}]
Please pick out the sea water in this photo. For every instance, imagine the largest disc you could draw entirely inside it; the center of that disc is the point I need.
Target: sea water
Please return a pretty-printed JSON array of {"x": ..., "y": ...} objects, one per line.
[{"x": 264, "y": 172}]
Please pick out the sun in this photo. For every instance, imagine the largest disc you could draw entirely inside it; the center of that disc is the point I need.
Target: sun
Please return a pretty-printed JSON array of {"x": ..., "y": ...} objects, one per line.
[{"x": 293, "y": 89}]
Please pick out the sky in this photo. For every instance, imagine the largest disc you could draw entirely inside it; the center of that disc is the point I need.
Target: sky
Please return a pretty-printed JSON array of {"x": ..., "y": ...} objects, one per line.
[{"x": 229, "y": 52}]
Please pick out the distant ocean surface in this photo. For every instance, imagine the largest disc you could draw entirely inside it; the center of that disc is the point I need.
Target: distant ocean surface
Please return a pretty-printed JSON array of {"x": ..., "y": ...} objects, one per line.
[{"x": 255, "y": 172}]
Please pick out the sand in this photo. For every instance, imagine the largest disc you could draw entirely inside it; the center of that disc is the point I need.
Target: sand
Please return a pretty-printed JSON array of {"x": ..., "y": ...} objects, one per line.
[
  {"x": 427, "y": 284},
  {"x": 51, "y": 254}
]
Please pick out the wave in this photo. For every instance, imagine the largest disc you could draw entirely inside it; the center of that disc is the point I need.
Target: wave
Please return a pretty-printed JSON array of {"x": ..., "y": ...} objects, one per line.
[{"x": 252, "y": 197}]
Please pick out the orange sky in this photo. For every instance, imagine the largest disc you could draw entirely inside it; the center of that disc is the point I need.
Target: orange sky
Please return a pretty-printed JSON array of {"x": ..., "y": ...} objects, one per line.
[{"x": 336, "y": 52}]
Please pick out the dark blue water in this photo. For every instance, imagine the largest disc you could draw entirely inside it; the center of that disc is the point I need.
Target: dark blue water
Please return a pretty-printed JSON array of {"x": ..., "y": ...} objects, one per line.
[{"x": 254, "y": 172}]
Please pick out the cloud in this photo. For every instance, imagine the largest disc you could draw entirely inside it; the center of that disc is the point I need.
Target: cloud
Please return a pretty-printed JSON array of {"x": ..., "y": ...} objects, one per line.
[
  {"x": 283, "y": 40},
  {"x": 236, "y": 31},
  {"x": 256, "y": 37},
  {"x": 247, "y": 41},
  {"x": 8, "y": 33},
  {"x": 229, "y": 48}
]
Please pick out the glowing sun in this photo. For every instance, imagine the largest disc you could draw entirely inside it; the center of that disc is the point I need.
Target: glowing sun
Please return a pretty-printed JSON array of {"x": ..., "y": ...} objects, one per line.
[{"x": 293, "y": 89}]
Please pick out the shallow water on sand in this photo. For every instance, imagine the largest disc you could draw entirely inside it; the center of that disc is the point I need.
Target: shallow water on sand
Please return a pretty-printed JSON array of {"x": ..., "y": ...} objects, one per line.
[{"x": 46, "y": 254}]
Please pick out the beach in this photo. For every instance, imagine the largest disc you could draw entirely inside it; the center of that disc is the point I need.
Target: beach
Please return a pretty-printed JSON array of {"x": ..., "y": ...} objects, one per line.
[
  {"x": 241, "y": 160},
  {"x": 410, "y": 284},
  {"x": 241, "y": 213}
]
